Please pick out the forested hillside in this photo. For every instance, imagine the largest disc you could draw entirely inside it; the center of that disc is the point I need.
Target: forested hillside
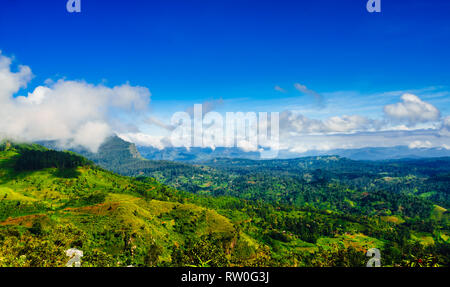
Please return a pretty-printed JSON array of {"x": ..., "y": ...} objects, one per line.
[
  {"x": 52, "y": 201},
  {"x": 415, "y": 185}
]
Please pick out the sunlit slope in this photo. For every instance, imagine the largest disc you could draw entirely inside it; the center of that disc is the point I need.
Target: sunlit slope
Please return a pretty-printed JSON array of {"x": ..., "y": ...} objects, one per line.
[
  {"x": 115, "y": 220},
  {"x": 51, "y": 201}
]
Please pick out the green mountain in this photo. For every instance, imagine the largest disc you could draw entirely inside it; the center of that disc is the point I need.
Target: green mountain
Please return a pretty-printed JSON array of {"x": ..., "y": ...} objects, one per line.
[
  {"x": 123, "y": 158},
  {"x": 196, "y": 154},
  {"x": 52, "y": 201},
  {"x": 423, "y": 182}
]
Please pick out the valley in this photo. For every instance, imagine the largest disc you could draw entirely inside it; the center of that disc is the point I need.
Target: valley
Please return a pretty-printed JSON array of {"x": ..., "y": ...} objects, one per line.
[{"x": 316, "y": 211}]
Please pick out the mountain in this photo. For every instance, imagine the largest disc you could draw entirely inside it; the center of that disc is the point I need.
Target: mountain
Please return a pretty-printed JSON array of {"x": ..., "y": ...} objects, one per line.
[
  {"x": 52, "y": 201},
  {"x": 296, "y": 181},
  {"x": 287, "y": 181},
  {"x": 115, "y": 151},
  {"x": 384, "y": 153},
  {"x": 121, "y": 157},
  {"x": 196, "y": 154},
  {"x": 317, "y": 211}
]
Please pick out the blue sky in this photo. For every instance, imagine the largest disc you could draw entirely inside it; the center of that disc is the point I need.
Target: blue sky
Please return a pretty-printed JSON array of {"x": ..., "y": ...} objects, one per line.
[{"x": 189, "y": 52}]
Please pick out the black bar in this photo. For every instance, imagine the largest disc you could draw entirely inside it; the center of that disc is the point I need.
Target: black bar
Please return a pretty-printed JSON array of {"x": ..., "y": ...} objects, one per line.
[{"x": 249, "y": 276}]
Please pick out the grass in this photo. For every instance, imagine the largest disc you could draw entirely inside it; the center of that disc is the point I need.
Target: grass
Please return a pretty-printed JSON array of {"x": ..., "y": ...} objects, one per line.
[
  {"x": 393, "y": 219},
  {"x": 117, "y": 211},
  {"x": 123, "y": 218},
  {"x": 358, "y": 241},
  {"x": 423, "y": 238},
  {"x": 438, "y": 213},
  {"x": 7, "y": 193}
]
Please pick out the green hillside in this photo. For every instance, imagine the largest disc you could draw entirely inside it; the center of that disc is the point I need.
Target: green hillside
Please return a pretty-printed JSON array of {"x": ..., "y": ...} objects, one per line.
[
  {"x": 413, "y": 185},
  {"x": 52, "y": 201},
  {"x": 46, "y": 209}
]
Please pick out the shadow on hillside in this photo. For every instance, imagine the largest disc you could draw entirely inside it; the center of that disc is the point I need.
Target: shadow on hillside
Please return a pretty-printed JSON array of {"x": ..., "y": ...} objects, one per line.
[
  {"x": 7, "y": 176},
  {"x": 67, "y": 173}
]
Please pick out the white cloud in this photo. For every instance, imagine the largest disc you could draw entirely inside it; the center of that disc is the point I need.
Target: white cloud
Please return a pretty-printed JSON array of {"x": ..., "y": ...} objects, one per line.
[
  {"x": 157, "y": 122},
  {"x": 445, "y": 128},
  {"x": 412, "y": 110},
  {"x": 247, "y": 146},
  {"x": 299, "y": 149},
  {"x": 414, "y": 139},
  {"x": 420, "y": 144},
  {"x": 70, "y": 112},
  {"x": 79, "y": 113},
  {"x": 84, "y": 135},
  {"x": 300, "y": 134},
  {"x": 279, "y": 89},
  {"x": 142, "y": 139},
  {"x": 298, "y": 123},
  {"x": 446, "y": 122},
  {"x": 348, "y": 123},
  {"x": 317, "y": 97},
  {"x": 11, "y": 82},
  {"x": 36, "y": 97}
]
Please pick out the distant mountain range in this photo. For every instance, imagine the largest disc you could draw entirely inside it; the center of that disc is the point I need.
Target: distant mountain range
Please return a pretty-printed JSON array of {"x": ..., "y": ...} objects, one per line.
[
  {"x": 122, "y": 149},
  {"x": 369, "y": 153},
  {"x": 224, "y": 170},
  {"x": 383, "y": 153},
  {"x": 194, "y": 154}
]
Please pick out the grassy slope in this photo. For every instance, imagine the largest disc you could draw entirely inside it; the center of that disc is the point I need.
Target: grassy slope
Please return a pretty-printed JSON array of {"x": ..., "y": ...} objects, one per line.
[
  {"x": 117, "y": 213},
  {"x": 118, "y": 220}
]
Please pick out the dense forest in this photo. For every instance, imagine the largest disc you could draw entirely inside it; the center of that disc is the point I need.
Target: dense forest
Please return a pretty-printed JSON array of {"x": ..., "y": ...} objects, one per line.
[{"x": 319, "y": 211}]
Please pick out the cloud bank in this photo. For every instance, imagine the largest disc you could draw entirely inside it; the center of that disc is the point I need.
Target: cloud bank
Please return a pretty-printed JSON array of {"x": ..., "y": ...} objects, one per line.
[
  {"x": 73, "y": 113},
  {"x": 291, "y": 122},
  {"x": 409, "y": 122},
  {"x": 77, "y": 113},
  {"x": 412, "y": 110}
]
